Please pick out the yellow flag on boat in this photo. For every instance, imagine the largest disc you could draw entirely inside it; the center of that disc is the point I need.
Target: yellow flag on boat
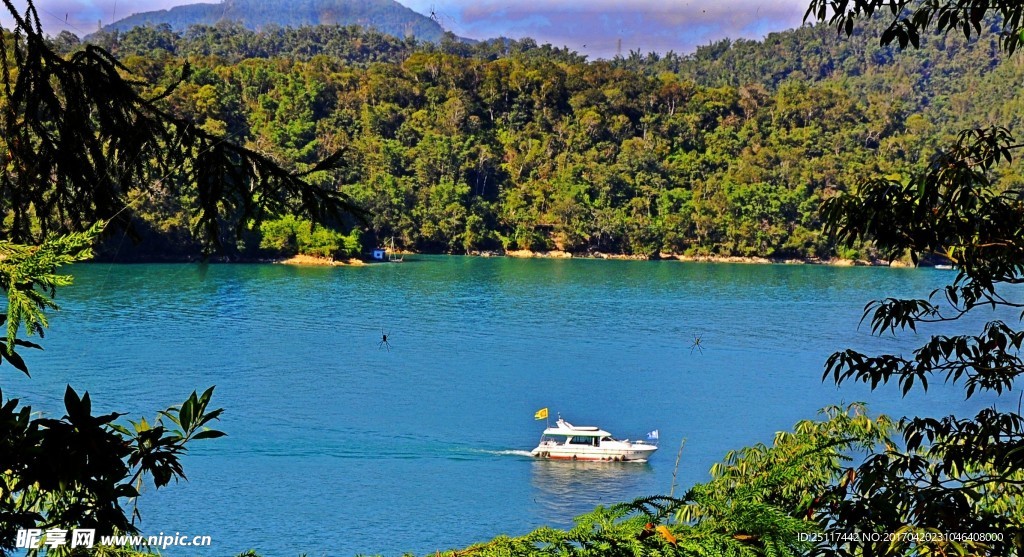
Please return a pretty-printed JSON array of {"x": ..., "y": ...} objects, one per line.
[{"x": 541, "y": 414}]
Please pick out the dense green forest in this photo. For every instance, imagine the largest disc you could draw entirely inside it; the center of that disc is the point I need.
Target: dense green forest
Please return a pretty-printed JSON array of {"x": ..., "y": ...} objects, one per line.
[{"x": 504, "y": 145}]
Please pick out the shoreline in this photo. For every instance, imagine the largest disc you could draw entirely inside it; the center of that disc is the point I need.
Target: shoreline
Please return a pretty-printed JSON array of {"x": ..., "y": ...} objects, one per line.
[
  {"x": 747, "y": 260},
  {"x": 314, "y": 261},
  {"x": 297, "y": 260}
]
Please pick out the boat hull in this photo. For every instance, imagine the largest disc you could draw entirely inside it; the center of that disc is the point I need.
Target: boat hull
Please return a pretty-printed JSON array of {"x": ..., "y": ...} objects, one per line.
[{"x": 636, "y": 453}]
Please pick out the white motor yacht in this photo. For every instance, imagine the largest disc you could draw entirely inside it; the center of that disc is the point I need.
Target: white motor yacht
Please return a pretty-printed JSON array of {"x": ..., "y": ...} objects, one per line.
[{"x": 568, "y": 442}]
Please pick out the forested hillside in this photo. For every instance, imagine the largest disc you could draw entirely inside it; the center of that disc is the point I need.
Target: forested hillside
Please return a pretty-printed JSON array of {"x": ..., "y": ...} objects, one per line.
[{"x": 509, "y": 145}]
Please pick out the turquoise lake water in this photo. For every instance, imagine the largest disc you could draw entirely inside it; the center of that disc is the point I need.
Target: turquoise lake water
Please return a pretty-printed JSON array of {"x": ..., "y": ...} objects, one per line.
[{"x": 336, "y": 447}]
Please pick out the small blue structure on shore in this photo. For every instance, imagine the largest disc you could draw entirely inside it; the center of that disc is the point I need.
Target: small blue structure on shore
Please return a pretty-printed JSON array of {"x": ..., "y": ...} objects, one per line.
[{"x": 380, "y": 254}]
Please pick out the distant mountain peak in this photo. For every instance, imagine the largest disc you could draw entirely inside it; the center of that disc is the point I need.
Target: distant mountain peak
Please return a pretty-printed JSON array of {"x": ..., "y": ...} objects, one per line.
[{"x": 386, "y": 16}]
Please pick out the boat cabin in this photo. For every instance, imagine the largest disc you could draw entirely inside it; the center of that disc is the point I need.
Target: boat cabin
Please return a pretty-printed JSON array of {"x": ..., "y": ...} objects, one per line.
[
  {"x": 593, "y": 441},
  {"x": 567, "y": 434}
]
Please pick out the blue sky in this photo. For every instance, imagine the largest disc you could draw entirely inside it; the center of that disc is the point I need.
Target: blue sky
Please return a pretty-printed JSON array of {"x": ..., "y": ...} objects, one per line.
[{"x": 593, "y": 27}]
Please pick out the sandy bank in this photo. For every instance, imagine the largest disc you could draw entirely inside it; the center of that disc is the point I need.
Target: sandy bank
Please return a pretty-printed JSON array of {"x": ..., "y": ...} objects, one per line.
[{"x": 313, "y": 261}]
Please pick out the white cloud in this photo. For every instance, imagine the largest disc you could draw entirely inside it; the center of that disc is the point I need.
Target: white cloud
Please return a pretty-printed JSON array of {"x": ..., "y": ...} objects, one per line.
[{"x": 596, "y": 26}]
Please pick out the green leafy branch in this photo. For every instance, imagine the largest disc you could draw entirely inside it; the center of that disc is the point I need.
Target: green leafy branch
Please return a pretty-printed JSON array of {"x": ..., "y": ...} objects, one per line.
[{"x": 29, "y": 276}]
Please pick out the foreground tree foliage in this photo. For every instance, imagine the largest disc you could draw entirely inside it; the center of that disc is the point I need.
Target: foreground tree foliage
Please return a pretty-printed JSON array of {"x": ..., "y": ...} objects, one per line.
[
  {"x": 911, "y": 18},
  {"x": 952, "y": 474},
  {"x": 81, "y": 146}
]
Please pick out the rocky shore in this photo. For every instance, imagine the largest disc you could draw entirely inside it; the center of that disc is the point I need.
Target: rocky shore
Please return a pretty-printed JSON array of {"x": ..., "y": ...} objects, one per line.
[{"x": 557, "y": 254}]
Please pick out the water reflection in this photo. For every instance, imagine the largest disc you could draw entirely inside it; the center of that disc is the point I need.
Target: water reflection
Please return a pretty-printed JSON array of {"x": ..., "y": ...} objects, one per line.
[{"x": 564, "y": 489}]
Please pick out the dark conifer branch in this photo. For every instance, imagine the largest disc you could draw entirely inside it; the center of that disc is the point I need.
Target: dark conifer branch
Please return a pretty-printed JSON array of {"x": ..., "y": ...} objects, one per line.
[{"x": 80, "y": 137}]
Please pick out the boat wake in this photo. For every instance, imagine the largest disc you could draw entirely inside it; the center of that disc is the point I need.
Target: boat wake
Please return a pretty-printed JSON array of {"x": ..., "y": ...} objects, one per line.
[{"x": 509, "y": 453}]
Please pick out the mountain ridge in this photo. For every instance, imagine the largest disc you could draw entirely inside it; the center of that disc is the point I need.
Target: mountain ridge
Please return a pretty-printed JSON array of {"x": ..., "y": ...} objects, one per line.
[{"x": 386, "y": 16}]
